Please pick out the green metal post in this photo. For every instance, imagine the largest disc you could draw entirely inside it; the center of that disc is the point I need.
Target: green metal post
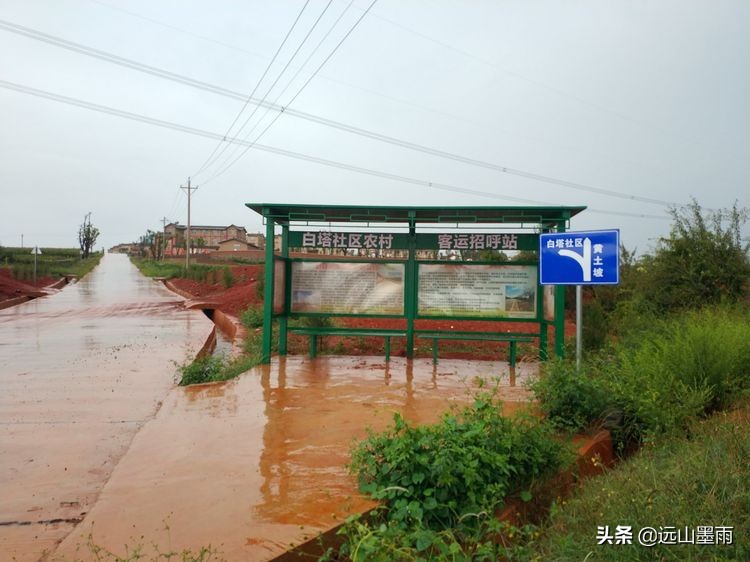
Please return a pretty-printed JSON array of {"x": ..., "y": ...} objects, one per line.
[
  {"x": 411, "y": 286},
  {"x": 560, "y": 310},
  {"x": 313, "y": 345},
  {"x": 543, "y": 332},
  {"x": 283, "y": 319},
  {"x": 268, "y": 291}
]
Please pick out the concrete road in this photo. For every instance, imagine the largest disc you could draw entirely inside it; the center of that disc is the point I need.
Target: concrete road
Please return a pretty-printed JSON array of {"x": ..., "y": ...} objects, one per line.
[{"x": 81, "y": 372}]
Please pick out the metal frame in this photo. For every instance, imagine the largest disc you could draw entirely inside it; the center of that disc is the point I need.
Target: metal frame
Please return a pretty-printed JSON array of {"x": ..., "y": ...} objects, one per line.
[{"x": 541, "y": 219}]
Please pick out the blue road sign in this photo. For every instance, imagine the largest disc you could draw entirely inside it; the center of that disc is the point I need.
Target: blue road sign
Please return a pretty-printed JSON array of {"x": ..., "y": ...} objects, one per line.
[{"x": 580, "y": 258}]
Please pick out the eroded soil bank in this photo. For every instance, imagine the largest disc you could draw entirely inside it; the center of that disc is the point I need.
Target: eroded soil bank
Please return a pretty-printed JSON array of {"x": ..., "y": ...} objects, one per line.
[
  {"x": 257, "y": 464},
  {"x": 82, "y": 371}
]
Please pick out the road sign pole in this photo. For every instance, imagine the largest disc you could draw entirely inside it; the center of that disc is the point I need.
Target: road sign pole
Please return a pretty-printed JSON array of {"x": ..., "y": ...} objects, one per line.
[{"x": 579, "y": 325}]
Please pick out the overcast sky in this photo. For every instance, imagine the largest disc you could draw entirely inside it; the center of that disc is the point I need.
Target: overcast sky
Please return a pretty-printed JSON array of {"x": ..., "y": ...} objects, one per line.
[{"x": 645, "y": 99}]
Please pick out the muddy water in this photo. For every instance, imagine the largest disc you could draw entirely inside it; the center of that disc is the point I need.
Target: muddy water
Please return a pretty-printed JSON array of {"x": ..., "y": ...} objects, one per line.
[
  {"x": 81, "y": 372},
  {"x": 257, "y": 464}
]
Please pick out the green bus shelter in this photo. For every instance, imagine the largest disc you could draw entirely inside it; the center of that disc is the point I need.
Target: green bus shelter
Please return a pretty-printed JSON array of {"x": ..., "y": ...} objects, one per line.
[{"x": 410, "y": 263}]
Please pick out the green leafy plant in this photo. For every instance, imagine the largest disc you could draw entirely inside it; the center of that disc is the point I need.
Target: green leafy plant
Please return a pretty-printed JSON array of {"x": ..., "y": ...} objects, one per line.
[
  {"x": 441, "y": 484},
  {"x": 466, "y": 464},
  {"x": 572, "y": 400}
]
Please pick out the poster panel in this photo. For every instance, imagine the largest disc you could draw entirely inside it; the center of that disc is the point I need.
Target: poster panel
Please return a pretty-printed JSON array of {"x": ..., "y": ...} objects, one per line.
[
  {"x": 481, "y": 291},
  {"x": 348, "y": 288},
  {"x": 279, "y": 285}
]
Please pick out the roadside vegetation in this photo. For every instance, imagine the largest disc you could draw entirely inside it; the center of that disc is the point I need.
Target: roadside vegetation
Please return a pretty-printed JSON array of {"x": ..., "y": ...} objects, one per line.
[
  {"x": 668, "y": 357},
  {"x": 698, "y": 477},
  {"x": 214, "y": 368},
  {"x": 210, "y": 274},
  {"x": 52, "y": 262}
]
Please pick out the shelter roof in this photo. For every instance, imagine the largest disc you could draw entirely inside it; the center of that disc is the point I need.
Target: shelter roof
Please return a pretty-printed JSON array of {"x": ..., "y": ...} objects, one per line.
[{"x": 289, "y": 213}]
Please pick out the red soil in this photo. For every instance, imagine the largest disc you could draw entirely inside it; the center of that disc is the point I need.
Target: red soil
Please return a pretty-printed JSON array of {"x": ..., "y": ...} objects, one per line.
[
  {"x": 10, "y": 288},
  {"x": 242, "y": 294}
]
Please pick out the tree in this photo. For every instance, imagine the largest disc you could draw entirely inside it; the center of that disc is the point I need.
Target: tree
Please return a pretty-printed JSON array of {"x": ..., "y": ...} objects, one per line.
[
  {"x": 151, "y": 245},
  {"x": 704, "y": 260},
  {"x": 87, "y": 235}
]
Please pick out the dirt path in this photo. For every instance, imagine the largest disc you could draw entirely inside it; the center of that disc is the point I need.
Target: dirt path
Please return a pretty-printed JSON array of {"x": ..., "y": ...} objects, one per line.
[{"x": 81, "y": 371}]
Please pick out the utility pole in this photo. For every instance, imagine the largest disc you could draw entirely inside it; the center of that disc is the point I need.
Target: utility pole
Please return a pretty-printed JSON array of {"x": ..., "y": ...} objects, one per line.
[
  {"x": 21, "y": 240},
  {"x": 189, "y": 190}
]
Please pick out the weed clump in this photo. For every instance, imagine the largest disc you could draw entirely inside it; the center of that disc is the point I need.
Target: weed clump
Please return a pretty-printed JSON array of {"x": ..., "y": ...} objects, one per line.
[
  {"x": 680, "y": 367},
  {"x": 440, "y": 484}
]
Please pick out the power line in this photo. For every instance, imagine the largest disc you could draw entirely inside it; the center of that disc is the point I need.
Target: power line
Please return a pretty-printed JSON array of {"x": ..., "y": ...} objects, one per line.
[
  {"x": 331, "y": 163},
  {"x": 257, "y": 85},
  {"x": 82, "y": 49},
  {"x": 276, "y": 81},
  {"x": 291, "y": 81},
  {"x": 255, "y": 54},
  {"x": 534, "y": 82},
  {"x": 322, "y": 64}
]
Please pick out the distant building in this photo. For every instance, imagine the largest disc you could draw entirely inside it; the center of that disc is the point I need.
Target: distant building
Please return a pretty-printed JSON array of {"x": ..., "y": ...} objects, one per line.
[
  {"x": 256, "y": 239},
  {"x": 235, "y": 245},
  {"x": 130, "y": 249},
  {"x": 203, "y": 239}
]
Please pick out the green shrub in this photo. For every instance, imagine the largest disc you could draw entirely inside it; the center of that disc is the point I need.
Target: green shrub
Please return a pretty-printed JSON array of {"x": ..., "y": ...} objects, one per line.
[
  {"x": 252, "y": 317},
  {"x": 703, "y": 261},
  {"x": 595, "y": 326},
  {"x": 439, "y": 474},
  {"x": 440, "y": 485},
  {"x": 571, "y": 400},
  {"x": 678, "y": 368}
]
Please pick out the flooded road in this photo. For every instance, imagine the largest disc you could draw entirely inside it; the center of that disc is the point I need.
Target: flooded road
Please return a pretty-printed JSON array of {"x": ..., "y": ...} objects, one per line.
[
  {"x": 258, "y": 464},
  {"x": 81, "y": 372}
]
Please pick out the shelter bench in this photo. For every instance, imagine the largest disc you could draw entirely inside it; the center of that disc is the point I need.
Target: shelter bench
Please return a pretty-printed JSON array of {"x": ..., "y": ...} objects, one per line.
[
  {"x": 314, "y": 333},
  {"x": 512, "y": 338}
]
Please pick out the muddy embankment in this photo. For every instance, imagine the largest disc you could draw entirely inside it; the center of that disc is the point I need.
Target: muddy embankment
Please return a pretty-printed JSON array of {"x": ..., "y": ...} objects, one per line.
[{"x": 13, "y": 292}]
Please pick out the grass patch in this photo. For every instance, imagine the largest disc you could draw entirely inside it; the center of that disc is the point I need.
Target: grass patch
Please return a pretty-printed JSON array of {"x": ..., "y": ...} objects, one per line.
[
  {"x": 214, "y": 368},
  {"x": 52, "y": 262},
  {"x": 681, "y": 367},
  {"x": 209, "y": 274},
  {"x": 700, "y": 480}
]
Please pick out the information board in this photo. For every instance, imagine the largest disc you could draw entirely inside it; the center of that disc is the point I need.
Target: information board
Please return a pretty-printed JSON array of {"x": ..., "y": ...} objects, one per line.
[
  {"x": 482, "y": 291},
  {"x": 347, "y": 288}
]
